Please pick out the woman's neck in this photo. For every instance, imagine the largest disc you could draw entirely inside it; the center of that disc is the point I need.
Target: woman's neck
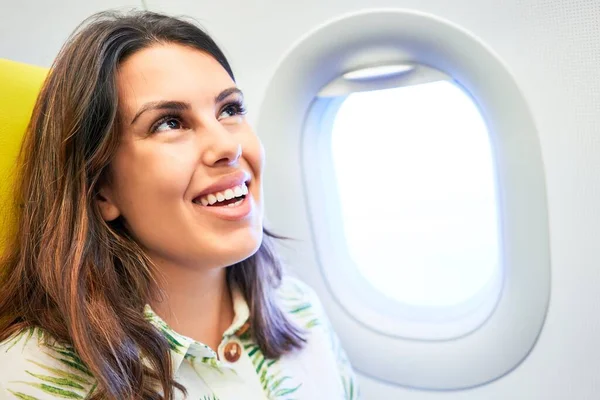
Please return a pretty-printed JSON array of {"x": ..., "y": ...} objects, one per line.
[{"x": 195, "y": 303}]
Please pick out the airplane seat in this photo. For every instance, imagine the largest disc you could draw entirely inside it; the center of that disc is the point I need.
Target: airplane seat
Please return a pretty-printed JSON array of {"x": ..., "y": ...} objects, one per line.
[{"x": 19, "y": 87}]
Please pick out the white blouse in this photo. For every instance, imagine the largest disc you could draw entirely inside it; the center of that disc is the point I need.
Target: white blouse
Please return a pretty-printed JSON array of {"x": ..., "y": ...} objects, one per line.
[{"x": 31, "y": 370}]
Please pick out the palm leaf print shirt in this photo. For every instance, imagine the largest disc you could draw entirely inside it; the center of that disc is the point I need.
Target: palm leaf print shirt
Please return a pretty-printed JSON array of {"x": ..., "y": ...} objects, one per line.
[{"x": 30, "y": 369}]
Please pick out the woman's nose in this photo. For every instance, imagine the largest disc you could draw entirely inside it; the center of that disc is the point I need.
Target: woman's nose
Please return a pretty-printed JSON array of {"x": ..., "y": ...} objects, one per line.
[{"x": 223, "y": 149}]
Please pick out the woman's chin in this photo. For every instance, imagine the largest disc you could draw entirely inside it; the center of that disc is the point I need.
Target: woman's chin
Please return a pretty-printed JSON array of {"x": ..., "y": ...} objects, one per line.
[{"x": 239, "y": 248}]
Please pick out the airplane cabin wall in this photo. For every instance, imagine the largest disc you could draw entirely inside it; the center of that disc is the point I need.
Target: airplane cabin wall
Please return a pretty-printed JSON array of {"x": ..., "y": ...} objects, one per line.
[{"x": 553, "y": 49}]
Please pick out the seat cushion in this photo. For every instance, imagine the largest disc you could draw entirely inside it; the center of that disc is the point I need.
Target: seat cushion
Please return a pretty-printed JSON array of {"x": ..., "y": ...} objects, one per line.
[{"x": 19, "y": 87}]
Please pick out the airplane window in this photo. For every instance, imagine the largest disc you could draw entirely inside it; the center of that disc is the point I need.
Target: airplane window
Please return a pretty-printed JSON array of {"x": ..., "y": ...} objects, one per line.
[
  {"x": 416, "y": 182},
  {"x": 413, "y": 181}
]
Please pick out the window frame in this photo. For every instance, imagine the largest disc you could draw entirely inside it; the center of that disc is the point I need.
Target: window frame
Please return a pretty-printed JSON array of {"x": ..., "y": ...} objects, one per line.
[
  {"x": 372, "y": 37},
  {"x": 360, "y": 299}
]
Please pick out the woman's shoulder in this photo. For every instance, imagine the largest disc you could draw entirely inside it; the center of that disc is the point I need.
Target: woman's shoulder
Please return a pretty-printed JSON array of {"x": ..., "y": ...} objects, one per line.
[
  {"x": 291, "y": 286},
  {"x": 300, "y": 301},
  {"x": 34, "y": 366},
  {"x": 303, "y": 304}
]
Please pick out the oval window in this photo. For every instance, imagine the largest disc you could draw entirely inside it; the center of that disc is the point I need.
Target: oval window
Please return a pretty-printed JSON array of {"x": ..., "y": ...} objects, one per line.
[{"x": 416, "y": 181}]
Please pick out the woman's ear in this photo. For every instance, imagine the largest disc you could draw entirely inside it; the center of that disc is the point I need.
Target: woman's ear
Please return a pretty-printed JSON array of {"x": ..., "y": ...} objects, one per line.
[{"x": 106, "y": 204}]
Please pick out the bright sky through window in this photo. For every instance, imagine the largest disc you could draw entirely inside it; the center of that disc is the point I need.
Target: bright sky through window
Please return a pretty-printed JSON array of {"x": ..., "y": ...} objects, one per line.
[{"x": 416, "y": 178}]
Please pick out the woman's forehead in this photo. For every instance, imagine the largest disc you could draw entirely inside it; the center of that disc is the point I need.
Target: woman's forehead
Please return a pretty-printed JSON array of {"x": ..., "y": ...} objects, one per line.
[{"x": 170, "y": 72}]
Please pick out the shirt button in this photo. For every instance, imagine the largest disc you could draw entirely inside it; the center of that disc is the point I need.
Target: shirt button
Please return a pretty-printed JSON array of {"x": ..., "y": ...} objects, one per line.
[{"x": 232, "y": 352}]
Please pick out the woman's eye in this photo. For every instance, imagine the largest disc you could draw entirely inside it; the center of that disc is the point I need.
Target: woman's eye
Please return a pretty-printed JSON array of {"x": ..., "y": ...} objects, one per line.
[
  {"x": 166, "y": 124},
  {"x": 232, "y": 110}
]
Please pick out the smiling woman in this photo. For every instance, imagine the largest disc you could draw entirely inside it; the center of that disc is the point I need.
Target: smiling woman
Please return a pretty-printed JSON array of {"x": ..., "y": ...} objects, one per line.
[{"x": 141, "y": 268}]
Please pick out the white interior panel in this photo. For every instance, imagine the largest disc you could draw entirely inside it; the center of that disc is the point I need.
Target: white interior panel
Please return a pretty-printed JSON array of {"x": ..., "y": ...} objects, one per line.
[{"x": 33, "y": 31}]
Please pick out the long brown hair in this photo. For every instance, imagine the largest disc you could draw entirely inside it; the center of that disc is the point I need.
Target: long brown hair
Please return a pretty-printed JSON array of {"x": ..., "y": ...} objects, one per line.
[{"x": 84, "y": 281}]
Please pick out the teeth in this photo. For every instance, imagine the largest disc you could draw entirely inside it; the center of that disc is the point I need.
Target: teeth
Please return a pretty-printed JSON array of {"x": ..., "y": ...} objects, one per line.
[
  {"x": 237, "y": 203},
  {"x": 228, "y": 194}
]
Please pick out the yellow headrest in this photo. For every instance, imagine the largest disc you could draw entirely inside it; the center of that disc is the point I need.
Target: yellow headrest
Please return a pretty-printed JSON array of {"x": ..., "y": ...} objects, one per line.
[{"x": 19, "y": 87}]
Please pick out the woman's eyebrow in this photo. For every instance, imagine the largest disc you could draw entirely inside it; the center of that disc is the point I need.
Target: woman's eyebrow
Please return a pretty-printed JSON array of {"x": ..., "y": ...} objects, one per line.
[
  {"x": 228, "y": 92},
  {"x": 162, "y": 105},
  {"x": 180, "y": 105}
]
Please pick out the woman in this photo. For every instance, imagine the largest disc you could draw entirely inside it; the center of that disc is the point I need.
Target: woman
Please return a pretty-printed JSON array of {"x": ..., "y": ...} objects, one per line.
[{"x": 140, "y": 268}]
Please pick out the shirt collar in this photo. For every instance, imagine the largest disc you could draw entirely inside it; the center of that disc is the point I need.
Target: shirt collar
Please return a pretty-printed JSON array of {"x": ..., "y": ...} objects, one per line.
[
  {"x": 182, "y": 346},
  {"x": 241, "y": 313}
]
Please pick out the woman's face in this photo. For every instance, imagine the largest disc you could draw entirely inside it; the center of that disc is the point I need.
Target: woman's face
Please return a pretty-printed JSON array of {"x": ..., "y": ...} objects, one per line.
[{"x": 186, "y": 177}]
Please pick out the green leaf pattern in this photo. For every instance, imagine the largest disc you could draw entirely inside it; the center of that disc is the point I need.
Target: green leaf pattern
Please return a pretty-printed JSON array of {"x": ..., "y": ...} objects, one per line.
[
  {"x": 172, "y": 337},
  {"x": 302, "y": 302},
  {"x": 65, "y": 376},
  {"x": 72, "y": 381},
  {"x": 275, "y": 384}
]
